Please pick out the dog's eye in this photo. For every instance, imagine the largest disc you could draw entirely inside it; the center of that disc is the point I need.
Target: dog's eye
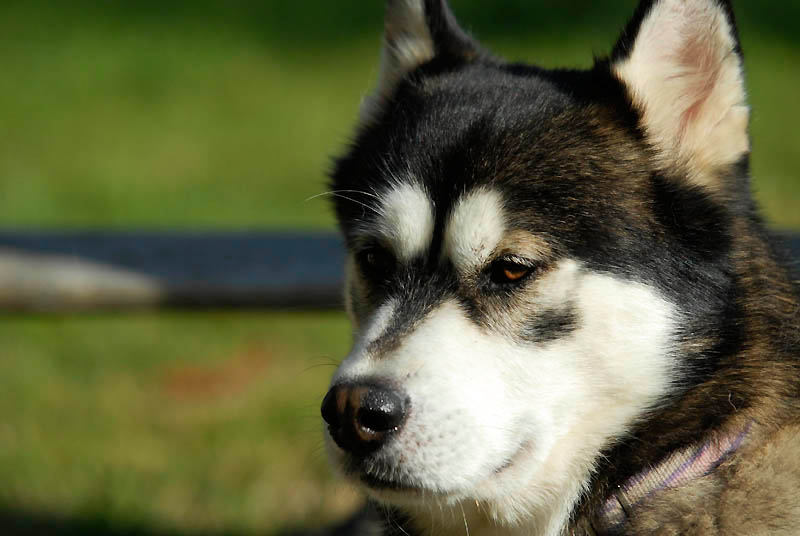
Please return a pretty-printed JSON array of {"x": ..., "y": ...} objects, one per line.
[
  {"x": 509, "y": 271},
  {"x": 376, "y": 262}
]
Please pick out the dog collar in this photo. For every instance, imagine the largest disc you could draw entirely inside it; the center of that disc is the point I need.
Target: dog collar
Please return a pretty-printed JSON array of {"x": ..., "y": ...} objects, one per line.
[{"x": 677, "y": 469}]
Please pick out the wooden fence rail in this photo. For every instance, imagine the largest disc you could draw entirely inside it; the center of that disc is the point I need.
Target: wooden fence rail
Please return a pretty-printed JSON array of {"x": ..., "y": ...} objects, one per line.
[{"x": 79, "y": 271}]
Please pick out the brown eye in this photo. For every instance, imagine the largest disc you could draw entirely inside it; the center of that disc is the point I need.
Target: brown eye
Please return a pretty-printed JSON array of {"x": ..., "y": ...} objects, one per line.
[
  {"x": 516, "y": 272},
  {"x": 509, "y": 271}
]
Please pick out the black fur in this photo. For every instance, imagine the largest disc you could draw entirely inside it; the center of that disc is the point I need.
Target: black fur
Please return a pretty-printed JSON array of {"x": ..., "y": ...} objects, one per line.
[
  {"x": 551, "y": 325},
  {"x": 449, "y": 39}
]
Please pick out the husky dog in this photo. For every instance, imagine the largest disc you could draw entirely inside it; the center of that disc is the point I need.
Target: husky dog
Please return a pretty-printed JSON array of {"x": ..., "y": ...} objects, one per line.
[{"x": 568, "y": 316}]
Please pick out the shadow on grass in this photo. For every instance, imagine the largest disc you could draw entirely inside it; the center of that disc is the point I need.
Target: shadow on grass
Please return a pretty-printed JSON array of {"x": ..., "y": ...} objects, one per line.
[{"x": 17, "y": 522}]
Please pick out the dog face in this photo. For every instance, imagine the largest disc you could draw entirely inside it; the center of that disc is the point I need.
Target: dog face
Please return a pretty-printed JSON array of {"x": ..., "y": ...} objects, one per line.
[{"x": 533, "y": 256}]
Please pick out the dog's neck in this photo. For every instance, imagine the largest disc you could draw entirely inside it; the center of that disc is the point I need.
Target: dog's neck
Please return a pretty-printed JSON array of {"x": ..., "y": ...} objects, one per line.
[
  {"x": 473, "y": 521},
  {"x": 677, "y": 469},
  {"x": 476, "y": 519}
]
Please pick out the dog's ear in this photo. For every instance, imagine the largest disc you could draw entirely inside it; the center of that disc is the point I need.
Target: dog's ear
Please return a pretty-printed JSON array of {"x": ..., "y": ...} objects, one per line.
[
  {"x": 681, "y": 63},
  {"x": 415, "y": 32}
]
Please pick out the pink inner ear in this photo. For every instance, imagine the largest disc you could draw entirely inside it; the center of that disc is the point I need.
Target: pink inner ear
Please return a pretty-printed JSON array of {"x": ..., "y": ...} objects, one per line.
[{"x": 702, "y": 67}]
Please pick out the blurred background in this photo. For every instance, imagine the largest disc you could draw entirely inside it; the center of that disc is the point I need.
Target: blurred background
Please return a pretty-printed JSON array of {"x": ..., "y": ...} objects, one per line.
[{"x": 215, "y": 115}]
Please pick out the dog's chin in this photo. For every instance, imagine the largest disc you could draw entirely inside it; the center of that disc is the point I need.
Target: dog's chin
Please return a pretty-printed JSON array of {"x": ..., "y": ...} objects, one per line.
[
  {"x": 390, "y": 487},
  {"x": 381, "y": 478},
  {"x": 386, "y": 483}
]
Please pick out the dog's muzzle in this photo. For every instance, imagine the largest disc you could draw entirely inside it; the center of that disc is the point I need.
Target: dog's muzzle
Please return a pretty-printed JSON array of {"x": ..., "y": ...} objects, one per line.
[{"x": 363, "y": 416}]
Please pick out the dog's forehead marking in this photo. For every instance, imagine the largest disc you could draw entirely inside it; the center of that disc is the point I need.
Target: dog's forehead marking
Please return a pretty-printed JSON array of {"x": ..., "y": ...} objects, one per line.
[
  {"x": 406, "y": 220},
  {"x": 474, "y": 229}
]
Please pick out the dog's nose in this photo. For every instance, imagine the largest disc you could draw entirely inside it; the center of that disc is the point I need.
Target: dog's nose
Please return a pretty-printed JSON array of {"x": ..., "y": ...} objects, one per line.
[{"x": 362, "y": 416}]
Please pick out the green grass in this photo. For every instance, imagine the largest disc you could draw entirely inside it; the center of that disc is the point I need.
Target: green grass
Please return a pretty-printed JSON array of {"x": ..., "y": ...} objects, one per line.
[
  {"x": 124, "y": 125},
  {"x": 199, "y": 113},
  {"x": 186, "y": 421},
  {"x": 194, "y": 117}
]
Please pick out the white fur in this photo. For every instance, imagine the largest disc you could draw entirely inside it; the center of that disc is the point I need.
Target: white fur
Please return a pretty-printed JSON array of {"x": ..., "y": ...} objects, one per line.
[
  {"x": 407, "y": 43},
  {"x": 684, "y": 75},
  {"x": 481, "y": 402},
  {"x": 405, "y": 221},
  {"x": 474, "y": 228}
]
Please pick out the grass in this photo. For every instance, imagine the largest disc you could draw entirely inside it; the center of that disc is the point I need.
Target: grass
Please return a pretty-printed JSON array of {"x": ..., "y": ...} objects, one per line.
[
  {"x": 200, "y": 422},
  {"x": 225, "y": 114},
  {"x": 139, "y": 126},
  {"x": 192, "y": 117}
]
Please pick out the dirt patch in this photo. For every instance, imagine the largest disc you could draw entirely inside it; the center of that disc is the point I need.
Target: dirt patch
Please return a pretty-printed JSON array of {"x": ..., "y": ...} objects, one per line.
[{"x": 230, "y": 377}]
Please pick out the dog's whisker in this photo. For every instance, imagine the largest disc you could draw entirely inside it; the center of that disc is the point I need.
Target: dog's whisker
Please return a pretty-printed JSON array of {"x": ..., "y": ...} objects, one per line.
[
  {"x": 464, "y": 515},
  {"x": 318, "y": 365},
  {"x": 334, "y": 193},
  {"x": 347, "y": 198}
]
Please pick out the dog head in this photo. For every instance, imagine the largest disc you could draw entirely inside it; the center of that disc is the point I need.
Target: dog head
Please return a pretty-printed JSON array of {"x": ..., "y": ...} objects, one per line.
[{"x": 532, "y": 253}]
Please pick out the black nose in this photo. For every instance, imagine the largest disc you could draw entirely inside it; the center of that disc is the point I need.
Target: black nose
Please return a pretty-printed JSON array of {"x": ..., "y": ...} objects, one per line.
[{"x": 362, "y": 416}]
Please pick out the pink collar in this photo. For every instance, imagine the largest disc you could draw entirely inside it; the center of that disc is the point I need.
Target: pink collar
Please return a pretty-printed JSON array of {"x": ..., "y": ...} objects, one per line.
[{"x": 677, "y": 469}]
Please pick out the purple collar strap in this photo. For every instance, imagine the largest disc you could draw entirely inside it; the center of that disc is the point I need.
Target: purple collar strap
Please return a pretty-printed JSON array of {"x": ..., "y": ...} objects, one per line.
[{"x": 677, "y": 469}]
